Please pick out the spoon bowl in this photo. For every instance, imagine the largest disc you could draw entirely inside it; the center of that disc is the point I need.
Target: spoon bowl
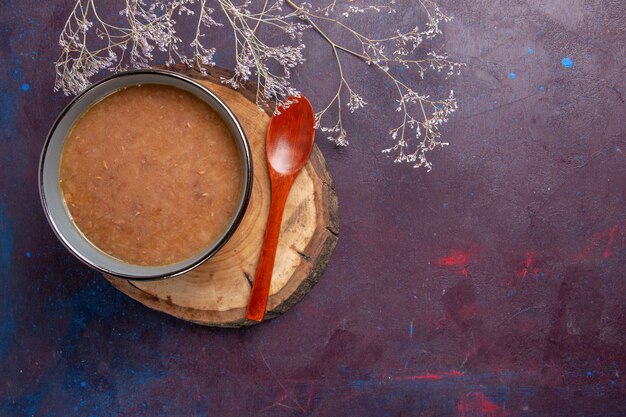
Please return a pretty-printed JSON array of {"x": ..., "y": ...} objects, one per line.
[{"x": 290, "y": 137}]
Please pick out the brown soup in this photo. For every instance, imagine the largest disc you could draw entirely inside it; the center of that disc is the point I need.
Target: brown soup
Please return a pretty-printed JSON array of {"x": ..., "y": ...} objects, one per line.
[{"x": 151, "y": 175}]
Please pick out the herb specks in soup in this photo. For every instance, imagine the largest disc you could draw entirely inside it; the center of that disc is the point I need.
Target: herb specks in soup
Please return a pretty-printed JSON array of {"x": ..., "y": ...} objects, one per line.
[{"x": 151, "y": 175}]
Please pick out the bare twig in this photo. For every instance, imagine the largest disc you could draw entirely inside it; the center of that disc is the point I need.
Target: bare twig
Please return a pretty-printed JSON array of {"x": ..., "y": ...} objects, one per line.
[{"x": 150, "y": 27}]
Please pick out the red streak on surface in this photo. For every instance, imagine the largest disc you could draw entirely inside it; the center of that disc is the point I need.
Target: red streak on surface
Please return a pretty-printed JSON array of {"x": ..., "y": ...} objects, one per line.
[
  {"x": 429, "y": 376},
  {"x": 456, "y": 259},
  {"x": 609, "y": 239},
  {"x": 476, "y": 404},
  {"x": 529, "y": 260},
  {"x": 527, "y": 268},
  {"x": 609, "y": 246}
]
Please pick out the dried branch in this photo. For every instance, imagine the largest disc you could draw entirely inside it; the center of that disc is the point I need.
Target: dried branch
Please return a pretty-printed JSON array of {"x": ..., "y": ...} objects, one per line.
[{"x": 151, "y": 27}]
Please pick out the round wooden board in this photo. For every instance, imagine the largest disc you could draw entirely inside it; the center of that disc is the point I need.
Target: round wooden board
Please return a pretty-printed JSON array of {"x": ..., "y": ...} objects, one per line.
[{"x": 216, "y": 293}]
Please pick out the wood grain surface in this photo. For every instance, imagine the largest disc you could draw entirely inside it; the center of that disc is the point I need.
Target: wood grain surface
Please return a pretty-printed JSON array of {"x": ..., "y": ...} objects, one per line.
[{"x": 217, "y": 292}]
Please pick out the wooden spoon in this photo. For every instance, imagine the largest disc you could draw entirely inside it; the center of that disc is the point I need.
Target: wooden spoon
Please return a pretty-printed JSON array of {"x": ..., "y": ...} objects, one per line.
[{"x": 287, "y": 148}]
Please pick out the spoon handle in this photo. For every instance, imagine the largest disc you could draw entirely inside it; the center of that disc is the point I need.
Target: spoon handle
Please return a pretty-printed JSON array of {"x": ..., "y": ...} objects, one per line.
[{"x": 265, "y": 267}]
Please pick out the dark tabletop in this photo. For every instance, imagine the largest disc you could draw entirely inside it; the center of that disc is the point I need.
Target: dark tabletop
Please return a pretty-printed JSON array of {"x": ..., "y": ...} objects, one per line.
[{"x": 493, "y": 285}]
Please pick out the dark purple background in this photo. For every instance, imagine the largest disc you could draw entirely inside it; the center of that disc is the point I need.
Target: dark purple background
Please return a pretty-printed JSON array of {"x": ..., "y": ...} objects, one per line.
[{"x": 492, "y": 286}]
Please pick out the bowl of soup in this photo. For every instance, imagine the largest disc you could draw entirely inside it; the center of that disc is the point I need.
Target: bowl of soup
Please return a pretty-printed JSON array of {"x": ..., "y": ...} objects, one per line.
[{"x": 145, "y": 175}]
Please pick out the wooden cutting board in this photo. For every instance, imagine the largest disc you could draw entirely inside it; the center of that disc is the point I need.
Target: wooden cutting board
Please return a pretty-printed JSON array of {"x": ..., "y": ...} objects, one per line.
[{"x": 216, "y": 293}]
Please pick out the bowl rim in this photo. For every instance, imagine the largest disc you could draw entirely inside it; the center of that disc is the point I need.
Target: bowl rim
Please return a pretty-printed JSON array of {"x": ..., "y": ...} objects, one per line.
[{"x": 215, "y": 246}]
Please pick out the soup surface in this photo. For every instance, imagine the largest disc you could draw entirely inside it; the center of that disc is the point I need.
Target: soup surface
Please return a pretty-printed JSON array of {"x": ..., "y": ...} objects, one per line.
[{"x": 151, "y": 175}]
